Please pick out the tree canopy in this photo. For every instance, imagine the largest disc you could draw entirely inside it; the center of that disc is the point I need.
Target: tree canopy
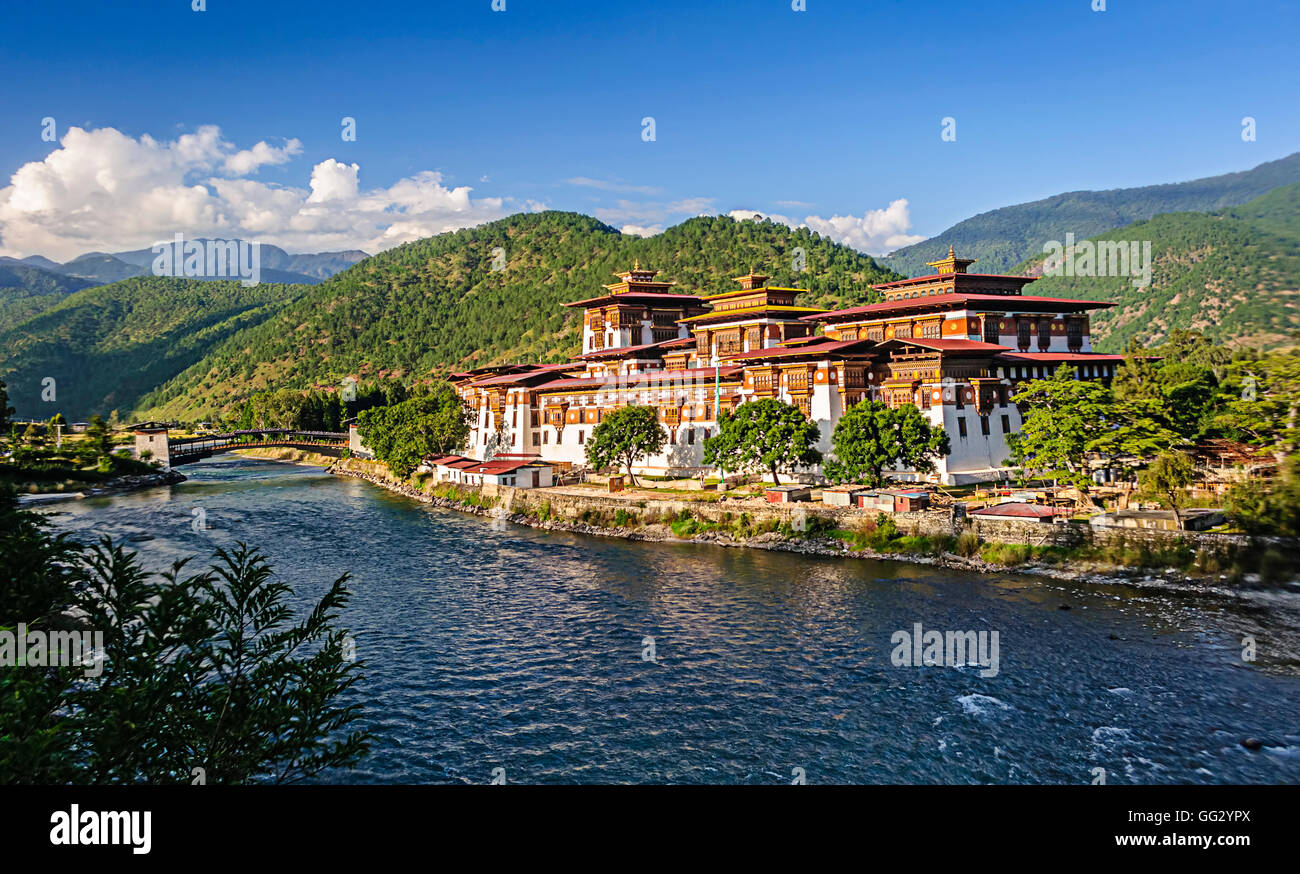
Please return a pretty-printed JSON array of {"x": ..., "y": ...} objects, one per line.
[
  {"x": 765, "y": 434},
  {"x": 625, "y": 436},
  {"x": 436, "y": 423},
  {"x": 872, "y": 436},
  {"x": 1064, "y": 419}
]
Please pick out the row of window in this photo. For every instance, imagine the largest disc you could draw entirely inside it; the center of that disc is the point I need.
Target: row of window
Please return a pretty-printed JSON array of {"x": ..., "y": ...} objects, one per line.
[
  {"x": 984, "y": 425},
  {"x": 675, "y": 438}
]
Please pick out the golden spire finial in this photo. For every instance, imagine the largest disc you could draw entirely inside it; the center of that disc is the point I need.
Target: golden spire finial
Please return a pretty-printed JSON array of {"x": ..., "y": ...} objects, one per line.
[
  {"x": 636, "y": 264},
  {"x": 951, "y": 264}
]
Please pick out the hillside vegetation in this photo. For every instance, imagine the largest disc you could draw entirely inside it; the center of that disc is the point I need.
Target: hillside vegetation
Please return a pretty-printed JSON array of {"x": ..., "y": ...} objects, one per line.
[
  {"x": 432, "y": 306},
  {"x": 26, "y": 290},
  {"x": 1233, "y": 275},
  {"x": 107, "y": 346},
  {"x": 1003, "y": 238}
]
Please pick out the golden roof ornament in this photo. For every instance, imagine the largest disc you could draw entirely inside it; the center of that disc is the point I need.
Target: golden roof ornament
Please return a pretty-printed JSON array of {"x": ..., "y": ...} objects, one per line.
[{"x": 951, "y": 264}]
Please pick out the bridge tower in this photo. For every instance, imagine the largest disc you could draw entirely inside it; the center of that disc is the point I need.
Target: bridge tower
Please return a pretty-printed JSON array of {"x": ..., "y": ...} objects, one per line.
[{"x": 152, "y": 436}]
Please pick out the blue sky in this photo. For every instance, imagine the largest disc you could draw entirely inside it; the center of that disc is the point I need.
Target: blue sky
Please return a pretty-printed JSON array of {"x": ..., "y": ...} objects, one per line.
[{"x": 830, "y": 112}]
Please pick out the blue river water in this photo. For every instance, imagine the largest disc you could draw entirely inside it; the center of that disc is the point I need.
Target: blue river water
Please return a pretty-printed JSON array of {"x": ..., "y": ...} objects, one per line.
[{"x": 491, "y": 646}]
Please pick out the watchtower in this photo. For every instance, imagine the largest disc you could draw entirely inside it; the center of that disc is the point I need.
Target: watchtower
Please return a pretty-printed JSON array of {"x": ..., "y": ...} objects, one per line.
[{"x": 152, "y": 436}]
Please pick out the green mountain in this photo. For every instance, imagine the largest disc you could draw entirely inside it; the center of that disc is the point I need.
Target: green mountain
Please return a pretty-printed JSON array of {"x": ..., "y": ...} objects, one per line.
[
  {"x": 435, "y": 305},
  {"x": 101, "y": 268},
  {"x": 26, "y": 290},
  {"x": 1233, "y": 274},
  {"x": 1008, "y": 236},
  {"x": 108, "y": 345}
]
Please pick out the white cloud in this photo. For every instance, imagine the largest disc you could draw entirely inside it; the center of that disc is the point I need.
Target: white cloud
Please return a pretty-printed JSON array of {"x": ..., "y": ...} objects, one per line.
[
  {"x": 334, "y": 180},
  {"x": 642, "y": 230},
  {"x": 102, "y": 190},
  {"x": 245, "y": 162},
  {"x": 876, "y": 232}
]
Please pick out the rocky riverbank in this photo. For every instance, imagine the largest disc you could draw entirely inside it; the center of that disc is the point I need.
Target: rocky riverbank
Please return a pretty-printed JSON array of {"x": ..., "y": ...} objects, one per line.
[
  {"x": 1076, "y": 571},
  {"x": 660, "y": 533},
  {"x": 118, "y": 485}
]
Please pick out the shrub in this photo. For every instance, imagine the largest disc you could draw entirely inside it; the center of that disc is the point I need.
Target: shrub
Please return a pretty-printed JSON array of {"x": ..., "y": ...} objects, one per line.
[
  {"x": 968, "y": 544},
  {"x": 1273, "y": 566}
]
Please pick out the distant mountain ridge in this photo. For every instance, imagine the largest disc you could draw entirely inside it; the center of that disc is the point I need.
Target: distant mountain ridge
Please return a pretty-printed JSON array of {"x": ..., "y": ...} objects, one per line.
[
  {"x": 1005, "y": 237},
  {"x": 26, "y": 290},
  {"x": 1233, "y": 274},
  {"x": 277, "y": 265}
]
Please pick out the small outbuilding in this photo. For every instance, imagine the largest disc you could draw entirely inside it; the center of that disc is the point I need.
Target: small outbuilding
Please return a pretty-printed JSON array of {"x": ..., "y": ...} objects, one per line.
[
  {"x": 842, "y": 496},
  {"x": 1194, "y": 519},
  {"x": 519, "y": 474},
  {"x": 894, "y": 500},
  {"x": 787, "y": 494},
  {"x": 1017, "y": 511}
]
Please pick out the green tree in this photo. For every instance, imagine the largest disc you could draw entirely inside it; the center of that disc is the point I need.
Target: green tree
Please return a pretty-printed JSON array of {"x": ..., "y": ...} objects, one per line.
[
  {"x": 401, "y": 435},
  {"x": 1261, "y": 402},
  {"x": 1138, "y": 432},
  {"x": 1260, "y": 506},
  {"x": 1188, "y": 391},
  {"x": 208, "y": 670},
  {"x": 1064, "y": 419},
  {"x": 625, "y": 436},
  {"x": 765, "y": 434},
  {"x": 6, "y": 411},
  {"x": 1166, "y": 480},
  {"x": 871, "y": 437},
  {"x": 99, "y": 437},
  {"x": 1137, "y": 378}
]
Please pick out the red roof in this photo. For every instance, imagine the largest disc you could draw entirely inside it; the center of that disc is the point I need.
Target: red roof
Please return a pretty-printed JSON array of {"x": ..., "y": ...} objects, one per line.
[
  {"x": 940, "y": 277},
  {"x": 577, "y": 382},
  {"x": 948, "y": 345},
  {"x": 511, "y": 378},
  {"x": 615, "y": 351},
  {"x": 1068, "y": 357},
  {"x": 1016, "y": 510},
  {"x": 446, "y": 459},
  {"x": 495, "y": 467},
  {"x": 1007, "y": 301},
  {"x": 810, "y": 349},
  {"x": 630, "y": 296},
  {"x": 631, "y": 379},
  {"x": 462, "y": 464}
]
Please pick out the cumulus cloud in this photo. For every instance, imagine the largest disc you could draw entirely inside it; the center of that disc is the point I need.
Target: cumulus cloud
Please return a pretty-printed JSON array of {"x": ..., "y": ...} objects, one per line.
[
  {"x": 876, "y": 232},
  {"x": 103, "y": 190},
  {"x": 642, "y": 230},
  {"x": 245, "y": 162}
]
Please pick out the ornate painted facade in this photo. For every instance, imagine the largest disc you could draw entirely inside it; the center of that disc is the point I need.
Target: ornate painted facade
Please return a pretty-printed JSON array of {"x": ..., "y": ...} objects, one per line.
[{"x": 953, "y": 343}]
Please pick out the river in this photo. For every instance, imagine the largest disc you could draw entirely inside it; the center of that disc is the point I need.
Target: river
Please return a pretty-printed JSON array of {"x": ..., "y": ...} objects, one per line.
[{"x": 493, "y": 646}]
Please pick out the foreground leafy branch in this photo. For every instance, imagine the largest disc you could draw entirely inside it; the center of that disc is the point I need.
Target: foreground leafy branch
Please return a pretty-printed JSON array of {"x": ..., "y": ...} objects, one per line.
[{"x": 204, "y": 675}]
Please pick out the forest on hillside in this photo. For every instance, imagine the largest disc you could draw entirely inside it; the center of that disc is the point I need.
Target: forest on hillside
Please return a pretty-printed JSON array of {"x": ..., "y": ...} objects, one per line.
[
  {"x": 426, "y": 308},
  {"x": 1233, "y": 275}
]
